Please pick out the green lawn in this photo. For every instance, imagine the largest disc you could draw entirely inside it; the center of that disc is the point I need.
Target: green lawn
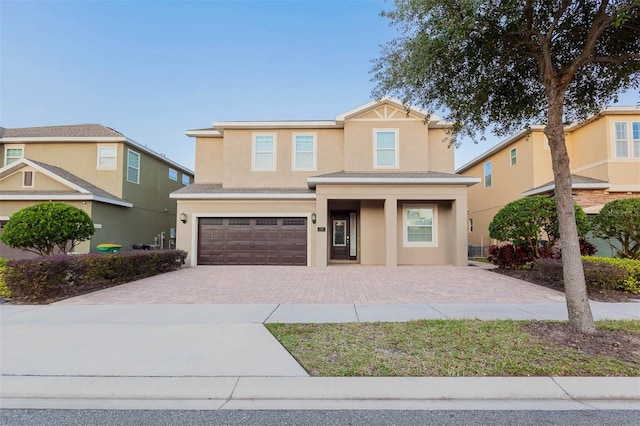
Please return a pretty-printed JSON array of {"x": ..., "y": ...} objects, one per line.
[{"x": 445, "y": 348}]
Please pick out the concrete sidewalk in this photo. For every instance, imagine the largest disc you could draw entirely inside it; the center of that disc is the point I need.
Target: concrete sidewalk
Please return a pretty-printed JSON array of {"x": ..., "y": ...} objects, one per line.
[{"x": 222, "y": 357}]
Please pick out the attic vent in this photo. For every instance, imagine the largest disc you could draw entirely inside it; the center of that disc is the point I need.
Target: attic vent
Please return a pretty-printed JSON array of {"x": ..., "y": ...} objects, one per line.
[{"x": 27, "y": 179}]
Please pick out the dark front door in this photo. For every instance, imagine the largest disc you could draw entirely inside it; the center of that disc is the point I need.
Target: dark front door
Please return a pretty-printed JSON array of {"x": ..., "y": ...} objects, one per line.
[{"x": 342, "y": 248}]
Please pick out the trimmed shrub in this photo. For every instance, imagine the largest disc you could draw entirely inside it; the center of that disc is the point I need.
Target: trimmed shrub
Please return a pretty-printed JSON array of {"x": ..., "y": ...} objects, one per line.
[
  {"x": 596, "y": 274},
  {"x": 631, "y": 266},
  {"x": 60, "y": 276},
  {"x": 4, "y": 290},
  {"x": 510, "y": 256},
  {"x": 586, "y": 248}
]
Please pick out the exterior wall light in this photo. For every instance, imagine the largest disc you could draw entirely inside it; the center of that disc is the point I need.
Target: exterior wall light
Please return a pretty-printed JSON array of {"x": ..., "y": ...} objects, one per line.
[
  {"x": 183, "y": 218},
  {"x": 313, "y": 218}
]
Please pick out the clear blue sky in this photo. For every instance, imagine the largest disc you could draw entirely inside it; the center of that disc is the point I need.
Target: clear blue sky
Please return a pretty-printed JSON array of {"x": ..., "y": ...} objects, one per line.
[{"x": 153, "y": 69}]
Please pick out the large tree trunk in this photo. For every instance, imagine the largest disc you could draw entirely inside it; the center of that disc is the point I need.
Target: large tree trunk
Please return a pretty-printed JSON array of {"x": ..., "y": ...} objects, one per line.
[{"x": 580, "y": 316}]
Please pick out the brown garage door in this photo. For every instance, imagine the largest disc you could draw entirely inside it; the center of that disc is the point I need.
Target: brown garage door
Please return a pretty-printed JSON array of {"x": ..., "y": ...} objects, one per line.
[{"x": 252, "y": 241}]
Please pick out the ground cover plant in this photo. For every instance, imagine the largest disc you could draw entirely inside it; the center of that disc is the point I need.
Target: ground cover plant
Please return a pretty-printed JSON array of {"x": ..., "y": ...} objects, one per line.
[
  {"x": 4, "y": 290},
  {"x": 462, "y": 348}
]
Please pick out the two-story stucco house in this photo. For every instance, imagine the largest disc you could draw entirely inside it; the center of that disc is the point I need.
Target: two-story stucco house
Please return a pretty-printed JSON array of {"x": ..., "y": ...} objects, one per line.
[
  {"x": 123, "y": 185},
  {"x": 374, "y": 186},
  {"x": 604, "y": 154}
]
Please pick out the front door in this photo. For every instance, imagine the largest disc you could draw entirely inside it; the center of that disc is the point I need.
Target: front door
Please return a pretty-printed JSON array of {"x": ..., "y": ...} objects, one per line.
[{"x": 342, "y": 234}]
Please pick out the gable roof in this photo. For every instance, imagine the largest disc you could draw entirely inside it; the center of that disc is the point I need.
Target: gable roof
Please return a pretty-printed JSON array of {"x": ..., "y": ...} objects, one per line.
[
  {"x": 79, "y": 133},
  {"x": 217, "y": 129},
  {"x": 79, "y": 189}
]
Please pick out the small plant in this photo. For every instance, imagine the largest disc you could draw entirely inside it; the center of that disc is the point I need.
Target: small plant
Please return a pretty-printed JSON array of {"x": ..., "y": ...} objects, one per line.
[
  {"x": 631, "y": 283},
  {"x": 510, "y": 256},
  {"x": 4, "y": 290}
]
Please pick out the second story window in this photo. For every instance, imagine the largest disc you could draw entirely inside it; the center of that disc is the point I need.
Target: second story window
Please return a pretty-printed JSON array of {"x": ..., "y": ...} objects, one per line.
[
  {"x": 107, "y": 157},
  {"x": 173, "y": 174},
  {"x": 385, "y": 155},
  {"x": 487, "y": 175},
  {"x": 185, "y": 179},
  {"x": 626, "y": 147},
  {"x": 304, "y": 152},
  {"x": 513, "y": 154},
  {"x": 12, "y": 154},
  {"x": 133, "y": 166},
  {"x": 264, "y": 152}
]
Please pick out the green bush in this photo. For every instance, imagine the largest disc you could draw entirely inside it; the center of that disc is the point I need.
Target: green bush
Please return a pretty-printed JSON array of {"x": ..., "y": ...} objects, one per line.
[
  {"x": 631, "y": 266},
  {"x": 57, "y": 277},
  {"x": 4, "y": 290},
  {"x": 597, "y": 274}
]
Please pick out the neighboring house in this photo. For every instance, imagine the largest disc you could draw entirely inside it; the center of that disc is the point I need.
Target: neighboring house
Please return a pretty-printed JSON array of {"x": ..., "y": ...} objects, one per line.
[
  {"x": 604, "y": 154},
  {"x": 374, "y": 186},
  {"x": 122, "y": 185}
]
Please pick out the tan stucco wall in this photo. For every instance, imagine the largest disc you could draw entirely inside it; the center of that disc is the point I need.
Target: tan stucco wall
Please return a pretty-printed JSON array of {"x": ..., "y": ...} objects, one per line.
[
  {"x": 441, "y": 155},
  {"x": 209, "y": 160},
  {"x": 187, "y": 232},
  {"x": 372, "y": 248},
  {"x": 439, "y": 255},
  {"x": 238, "y": 151}
]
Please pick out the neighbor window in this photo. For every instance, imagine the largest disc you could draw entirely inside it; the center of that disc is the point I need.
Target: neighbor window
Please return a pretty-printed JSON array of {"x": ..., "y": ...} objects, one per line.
[
  {"x": 185, "y": 179},
  {"x": 133, "y": 166},
  {"x": 304, "y": 151},
  {"x": 487, "y": 175},
  {"x": 27, "y": 179},
  {"x": 419, "y": 225},
  {"x": 12, "y": 154},
  {"x": 514, "y": 156},
  {"x": 264, "y": 152},
  {"x": 107, "y": 157},
  {"x": 635, "y": 131},
  {"x": 173, "y": 174},
  {"x": 470, "y": 225},
  {"x": 622, "y": 144},
  {"x": 385, "y": 149}
]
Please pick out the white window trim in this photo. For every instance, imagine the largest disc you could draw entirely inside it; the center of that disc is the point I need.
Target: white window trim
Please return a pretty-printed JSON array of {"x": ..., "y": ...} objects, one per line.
[
  {"x": 375, "y": 148},
  {"x": 106, "y": 167},
  {"x": 294, "y": 151},
  {"x": 33, "y": 179},
  {"x": 8, "y": 147},
  {"x": 175, "y": 173},
  {"x": 511, "y": 163},
  {"x": 130, "y": 151},
  {"x": 188, "y": 179},
  {"x": 632, "y": 140},
  {"x": 484, "y": 174},
  {"x": 434, "y": 226},
  {"x": 630, "y": 151},
  {"x": 253, "y": 152}
]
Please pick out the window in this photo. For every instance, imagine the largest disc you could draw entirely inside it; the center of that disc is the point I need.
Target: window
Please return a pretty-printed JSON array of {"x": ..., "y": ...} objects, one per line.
[
  {"x": 107, "y": 157},
  {"x": 487, "y": 174},
  {"x": 470, "y": 225},
  {"x": 385, "y": 149},
  {"x": 173, "y": 174},
  {"x": 185, "y": 179},
  {"x": 514, "y": 156},
  {"x": 419, "y": 225},
  {"x": 133, "y": 166},
  {"x": 12, "y": 154},
  {"x": 264, "y": 152},
  {"x": 622, "y": 146},
  {"x": 304, "y": 151},
  {"x": 27, "y": 179},
  {"x": 625, "y": 147}
]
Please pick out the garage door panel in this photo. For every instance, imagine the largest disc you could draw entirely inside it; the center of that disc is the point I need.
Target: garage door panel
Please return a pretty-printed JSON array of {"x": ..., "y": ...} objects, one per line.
[{"x": 252, "y": 241}]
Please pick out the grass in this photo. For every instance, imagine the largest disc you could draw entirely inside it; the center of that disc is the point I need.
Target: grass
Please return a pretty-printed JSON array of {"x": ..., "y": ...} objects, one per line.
[{"x": 443, "y": 348}]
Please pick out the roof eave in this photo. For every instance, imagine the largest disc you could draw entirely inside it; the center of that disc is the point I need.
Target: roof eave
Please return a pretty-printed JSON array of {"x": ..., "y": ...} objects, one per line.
[{"x": 312, "y": 182}]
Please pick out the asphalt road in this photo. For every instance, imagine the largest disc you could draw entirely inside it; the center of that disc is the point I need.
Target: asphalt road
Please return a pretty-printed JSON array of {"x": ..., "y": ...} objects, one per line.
[{"x": 10, "y": 417}]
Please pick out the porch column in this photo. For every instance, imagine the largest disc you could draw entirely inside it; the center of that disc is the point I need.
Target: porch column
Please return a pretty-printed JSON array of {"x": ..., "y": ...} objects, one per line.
[
  {"x": 321, "y": 237},
  {"x": 459, "y": 208},
  {"x": 391, "y": 231}
]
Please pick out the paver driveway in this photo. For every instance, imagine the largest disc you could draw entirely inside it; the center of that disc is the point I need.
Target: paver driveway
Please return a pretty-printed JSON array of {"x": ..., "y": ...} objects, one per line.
[{"x": 334, "y": 284}]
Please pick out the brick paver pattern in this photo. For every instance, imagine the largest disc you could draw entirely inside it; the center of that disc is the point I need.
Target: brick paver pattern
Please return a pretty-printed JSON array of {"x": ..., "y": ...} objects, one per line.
[{"x": 334, "y": 284}]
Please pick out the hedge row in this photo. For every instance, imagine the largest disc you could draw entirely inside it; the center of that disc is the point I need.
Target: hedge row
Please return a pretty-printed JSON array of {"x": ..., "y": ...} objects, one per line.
[
  {"x": 55, "y": 277},
  {"x": 632, "y": 282},
  {"x": 4, "y": 290},
  {"x": 598, "y": 273}
]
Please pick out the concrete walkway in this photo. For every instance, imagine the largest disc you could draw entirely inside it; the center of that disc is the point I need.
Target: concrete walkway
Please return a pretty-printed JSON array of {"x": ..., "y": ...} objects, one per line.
[{"x": 221, "y": 357}]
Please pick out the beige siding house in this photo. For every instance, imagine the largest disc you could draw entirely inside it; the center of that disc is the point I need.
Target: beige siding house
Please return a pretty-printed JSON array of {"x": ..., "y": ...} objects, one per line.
[
  {"x": 605, "y": 165},
  {"x": 375, "y": 186},
  {"x": 122, "y": 185}
]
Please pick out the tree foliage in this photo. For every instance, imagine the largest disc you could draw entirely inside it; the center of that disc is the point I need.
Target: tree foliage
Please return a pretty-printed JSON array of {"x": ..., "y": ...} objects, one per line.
[
  {"x": 619, "y": 222},
  {"x": 48, "y": 226},
  {"x": 527, "y": 220},
  {"x": 506, "y": 64}
]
